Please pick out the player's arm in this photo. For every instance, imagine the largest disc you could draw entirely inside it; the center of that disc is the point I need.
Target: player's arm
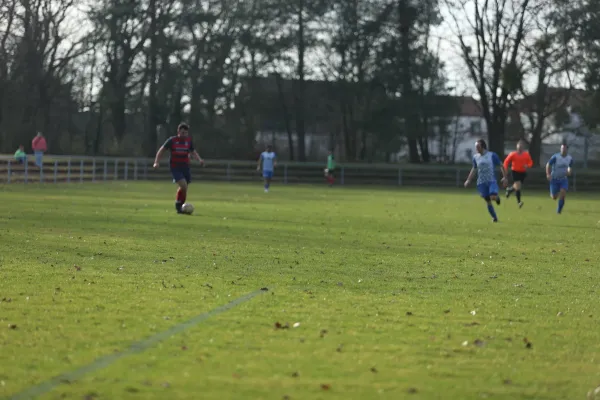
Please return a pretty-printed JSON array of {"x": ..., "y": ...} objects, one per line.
[
  {"x": 274, "y": 160},
  {"x": 508, "y": 160},
  {"x": 529, "y": 161},
  {"x": 549, "y": 165},
  {"x": 161, "y": 151},
  {"x": 496, "y": 160},
  {"x": 259, "y": 161},
  {"x": 570, "y": 169},
  {"x": 504, "y": 174},
  {"x": 471, "y": 173},
  {"x": 470, "y": 177},
  {"x": 197, "y": 157},
  {"x": 195, "y": 153}
]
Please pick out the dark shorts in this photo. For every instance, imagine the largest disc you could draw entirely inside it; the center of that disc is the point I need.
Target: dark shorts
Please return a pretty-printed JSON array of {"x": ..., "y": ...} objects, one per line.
[
  {"x": 180, "y": 173},
  {"x": 518, "y": 176},
  {"x": 331, "y": 172}
]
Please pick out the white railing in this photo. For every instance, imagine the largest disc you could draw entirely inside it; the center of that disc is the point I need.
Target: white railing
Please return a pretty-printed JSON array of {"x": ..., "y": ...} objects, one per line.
[{"x": 68, "y": 169}]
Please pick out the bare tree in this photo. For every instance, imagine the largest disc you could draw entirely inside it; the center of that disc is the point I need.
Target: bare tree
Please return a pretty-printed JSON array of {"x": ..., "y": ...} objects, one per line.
[
  {"x": 491, "y": 45},
  {"x": 550, "y": 63},
  {"x": 120, "y": 30},
  {"x": 37, "y": 51},
  {"x": 7, "y": 21}
]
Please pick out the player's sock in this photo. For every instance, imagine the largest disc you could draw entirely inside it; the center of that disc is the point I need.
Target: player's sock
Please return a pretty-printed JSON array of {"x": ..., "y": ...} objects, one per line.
[
  {"x": 179, "y": 200},
  {"x": 561, "y": 204},
  {"x": 518, "y": 193},
  {"x": 492, "y": 211},
  {"x": 498, "y": 200}
]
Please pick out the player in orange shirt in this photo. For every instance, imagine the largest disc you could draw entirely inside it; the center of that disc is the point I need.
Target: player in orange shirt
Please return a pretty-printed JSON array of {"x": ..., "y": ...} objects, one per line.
[{"x": 520, "y": 160}]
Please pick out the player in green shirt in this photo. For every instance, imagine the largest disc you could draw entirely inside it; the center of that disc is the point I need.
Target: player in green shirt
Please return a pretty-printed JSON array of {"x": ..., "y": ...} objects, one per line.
[
  {"x": 20, "y": 155},
  {"x": 330, "y": 170}
]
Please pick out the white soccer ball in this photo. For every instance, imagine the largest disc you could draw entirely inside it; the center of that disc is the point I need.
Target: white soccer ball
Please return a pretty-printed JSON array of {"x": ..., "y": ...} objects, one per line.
[{"x": 187, "y": 208}]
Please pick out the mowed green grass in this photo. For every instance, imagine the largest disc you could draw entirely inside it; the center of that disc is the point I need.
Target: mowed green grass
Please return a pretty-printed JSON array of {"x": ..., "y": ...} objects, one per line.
[{"x": 398, "y": 293}]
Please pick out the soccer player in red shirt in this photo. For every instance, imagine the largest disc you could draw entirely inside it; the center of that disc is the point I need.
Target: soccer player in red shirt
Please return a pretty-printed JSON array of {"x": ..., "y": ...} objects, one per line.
[
  {"x": 520, "y": 160},
  {"x": 181, "y": 147}
]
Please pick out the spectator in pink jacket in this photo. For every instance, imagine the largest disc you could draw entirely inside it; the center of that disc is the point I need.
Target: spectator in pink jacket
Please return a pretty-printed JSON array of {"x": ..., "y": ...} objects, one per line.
[{"x": 39, "y": 148}]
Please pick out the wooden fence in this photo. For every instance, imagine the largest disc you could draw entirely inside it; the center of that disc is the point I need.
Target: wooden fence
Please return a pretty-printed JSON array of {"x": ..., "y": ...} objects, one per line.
[{"x": 72, "y": 169}]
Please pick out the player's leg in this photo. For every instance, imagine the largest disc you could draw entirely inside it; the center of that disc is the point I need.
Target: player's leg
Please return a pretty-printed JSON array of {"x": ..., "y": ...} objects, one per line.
[
  {"x": 554, "y": 189},
  {"x": 484, "y": 191},
  {"x": 511, "y": 189},
  {"x": 181, "y": 194},
  {"x": 562, "y": 194},
  {"x": 179, "y": 177},
  {"x": 267, "y": 175},
  {"x": 331, "y": 177},
  {"x": 183, "y": 188},
  {"x": 493, "y": 192},
  {"x": 518, "y": 185}
]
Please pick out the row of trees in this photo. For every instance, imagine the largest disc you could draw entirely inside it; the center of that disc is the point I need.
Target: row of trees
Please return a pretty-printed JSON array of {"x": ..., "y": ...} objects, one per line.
[{"x": 119, "y": 75}]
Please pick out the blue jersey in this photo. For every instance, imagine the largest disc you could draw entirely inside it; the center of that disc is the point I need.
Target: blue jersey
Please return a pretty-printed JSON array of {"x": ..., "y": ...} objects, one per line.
[
  {"x": 268, "y": 159},
  {"x": 484, "y": 164},
  {"x": 560, "y": 164}
]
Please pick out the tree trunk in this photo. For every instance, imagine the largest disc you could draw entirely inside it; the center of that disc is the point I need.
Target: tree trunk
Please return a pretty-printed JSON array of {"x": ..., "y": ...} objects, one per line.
[
  {"x": 118, "y": 115},
  {"x": 299, "y": 90},
  {"x": 176, "y": 116},
  {"x": 424, "y": 146},
  {"x": 150, "y": 143},
  {"x": 405, "y": 19},
  {"x": 286, "y": 115},
  {"x": 413, "y": 151},
  {"x": 348, "y": 142},
  {"x": 97, "y": 147},
  {"x": 496, "y": 136},
  {"x": 363, "y": 145},
  {"x": 535, "y": 145}
]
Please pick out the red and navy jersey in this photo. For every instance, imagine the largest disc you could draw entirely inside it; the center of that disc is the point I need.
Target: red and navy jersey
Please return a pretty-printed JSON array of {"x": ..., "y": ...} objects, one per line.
[{"x": 181, "y": 147}]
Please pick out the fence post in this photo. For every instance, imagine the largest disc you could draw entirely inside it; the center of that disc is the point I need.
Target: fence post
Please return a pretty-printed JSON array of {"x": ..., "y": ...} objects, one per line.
[
  {"x": 9, "y": 171},
  {"x": 285, "y": 174},
  {"x": 26, "y": 171},
  {"x": 575, "y": 181},
  {"x": 105, "y": 169},
  {"x": 228, "y": 171},
  {"x": 135, "y": 170},
  {"x": 94, "y": 170},
  {"x": 399, "y": 176},
  {"x": 457, "y": 177},
  {"x": 126, "y": 168},
  {"x": 81, "y": 171},
  {"x": 342, "y": 177},
  {"x": 55, "y": 171},
  {"x": 116, "y": 176},
  {"x": 69, "y": 171},
  {"x": 42, "y": 173}
]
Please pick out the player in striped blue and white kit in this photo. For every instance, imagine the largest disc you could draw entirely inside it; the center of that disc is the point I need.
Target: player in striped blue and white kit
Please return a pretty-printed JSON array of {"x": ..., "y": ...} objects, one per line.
[
  {"x": 269, "y": 162},
  {"x": 484, "y": 163},
  {"x": 558, "y": 170}
]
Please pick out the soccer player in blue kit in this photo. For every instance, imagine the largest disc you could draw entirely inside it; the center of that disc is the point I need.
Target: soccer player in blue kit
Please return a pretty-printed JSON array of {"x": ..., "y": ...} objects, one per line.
[
  {"x": 484, "y": 163},
  {"x": 269, "y": 162},
  {"x": 558, "y": 170}
]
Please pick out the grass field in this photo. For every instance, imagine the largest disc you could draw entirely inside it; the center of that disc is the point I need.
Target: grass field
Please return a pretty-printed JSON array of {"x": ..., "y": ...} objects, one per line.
[{"x": 398, "y": 293}]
